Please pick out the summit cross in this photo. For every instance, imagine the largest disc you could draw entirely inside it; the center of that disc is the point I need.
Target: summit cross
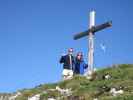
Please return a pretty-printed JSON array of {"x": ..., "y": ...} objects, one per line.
[{"x": 90, "y": 33}]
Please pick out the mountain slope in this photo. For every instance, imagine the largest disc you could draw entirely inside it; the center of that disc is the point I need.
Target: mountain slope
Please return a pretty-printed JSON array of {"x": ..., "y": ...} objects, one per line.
[{"x": 118, "y": 77}]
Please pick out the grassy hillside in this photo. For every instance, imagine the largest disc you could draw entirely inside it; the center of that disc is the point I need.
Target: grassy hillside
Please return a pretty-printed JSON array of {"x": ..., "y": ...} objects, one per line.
[{"x": 84, "y": 89}]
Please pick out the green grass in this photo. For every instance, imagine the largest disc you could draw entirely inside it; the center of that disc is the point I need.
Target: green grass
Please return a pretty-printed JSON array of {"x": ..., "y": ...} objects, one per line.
[{"x": 121, "y": 75}]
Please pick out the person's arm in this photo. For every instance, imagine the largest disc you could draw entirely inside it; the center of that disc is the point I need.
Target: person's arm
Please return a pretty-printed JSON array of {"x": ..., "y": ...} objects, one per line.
[
  {"x": 85, "y": 65},
  {"x": 62, "y": 59},
  {"x": 74, "y": 62}
]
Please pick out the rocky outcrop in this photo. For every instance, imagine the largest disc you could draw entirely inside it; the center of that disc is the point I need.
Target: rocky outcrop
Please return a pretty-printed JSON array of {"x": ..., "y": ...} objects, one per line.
[
  {"x": 9, "y": 96},
  {"x": 4, "y": 96}
]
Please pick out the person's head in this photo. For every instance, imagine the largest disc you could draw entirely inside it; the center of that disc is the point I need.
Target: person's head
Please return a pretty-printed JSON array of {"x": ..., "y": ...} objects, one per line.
[
  {"x": 70, "y": 51},
  {"x": 79, "y": 56}
]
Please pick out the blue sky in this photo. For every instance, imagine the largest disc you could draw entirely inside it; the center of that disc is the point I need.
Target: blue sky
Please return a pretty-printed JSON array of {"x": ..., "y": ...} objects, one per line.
[{"x": 35, "y": 33}]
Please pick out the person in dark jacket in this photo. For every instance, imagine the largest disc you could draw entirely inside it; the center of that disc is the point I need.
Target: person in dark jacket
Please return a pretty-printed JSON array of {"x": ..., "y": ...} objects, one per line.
[
  {"x": 80, "y": 65},
  {"x": 68, "y": 64}
]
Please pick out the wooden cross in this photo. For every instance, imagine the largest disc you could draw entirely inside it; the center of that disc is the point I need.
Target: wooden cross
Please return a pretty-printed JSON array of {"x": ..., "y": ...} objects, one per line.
[{"x": 91, "y": 32}]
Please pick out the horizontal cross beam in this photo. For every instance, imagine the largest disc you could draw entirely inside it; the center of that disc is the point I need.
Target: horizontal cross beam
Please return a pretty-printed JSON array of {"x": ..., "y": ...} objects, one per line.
[{"x": 93, "y": 30}]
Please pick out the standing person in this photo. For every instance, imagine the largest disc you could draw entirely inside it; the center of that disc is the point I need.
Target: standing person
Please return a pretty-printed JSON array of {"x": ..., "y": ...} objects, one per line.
[
  {"x": 80, "y": 65},
  {"x": 68, "y": 64}
]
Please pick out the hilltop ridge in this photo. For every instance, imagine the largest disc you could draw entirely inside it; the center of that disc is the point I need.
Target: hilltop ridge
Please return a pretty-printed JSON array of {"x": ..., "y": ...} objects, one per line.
[{"x": 113, "y": 83}]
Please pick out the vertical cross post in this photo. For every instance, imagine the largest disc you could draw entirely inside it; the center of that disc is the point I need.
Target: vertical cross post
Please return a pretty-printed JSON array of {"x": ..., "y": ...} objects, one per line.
[{"x": 91, "y": 43}]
